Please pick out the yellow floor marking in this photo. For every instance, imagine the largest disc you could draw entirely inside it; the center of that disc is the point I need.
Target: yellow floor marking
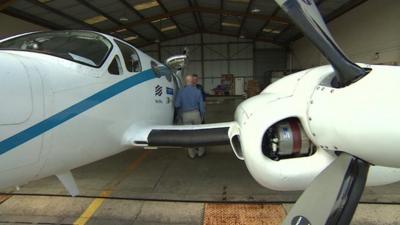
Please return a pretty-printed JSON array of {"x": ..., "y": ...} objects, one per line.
[
  {"x": 96, "y": 203},
  {"x": 4, "y": 198},
  {"x": 243, "y": 214}
]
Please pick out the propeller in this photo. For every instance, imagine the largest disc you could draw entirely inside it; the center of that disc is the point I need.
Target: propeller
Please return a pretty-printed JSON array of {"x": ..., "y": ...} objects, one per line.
[
  {"x": 333, "y": 196},
  {"x": 306, "y": 16}
]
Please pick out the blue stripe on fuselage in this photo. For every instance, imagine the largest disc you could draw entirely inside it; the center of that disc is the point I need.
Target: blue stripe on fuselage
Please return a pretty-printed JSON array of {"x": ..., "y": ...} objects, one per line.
[{"x": 76, "y": 109}]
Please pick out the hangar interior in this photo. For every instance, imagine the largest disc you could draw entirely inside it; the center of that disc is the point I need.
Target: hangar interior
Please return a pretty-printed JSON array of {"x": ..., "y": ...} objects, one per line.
[{"x": 247, "y": 41}]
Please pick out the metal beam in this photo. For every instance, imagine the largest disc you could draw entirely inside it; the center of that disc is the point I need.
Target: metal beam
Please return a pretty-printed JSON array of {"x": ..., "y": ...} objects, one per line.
[
  {"x": 221, "y": 7},
  {"x": 208, "y": 43},
  {"x": 33, "y": 19},
  {"x": 61, "y": 14},
  {"x": 159, "y": 51},
  {"x": 241, "y": 14},
  {"x": 155, "y": 17},
  {"x": 202, "y": 54},
  {"x": 270, "y": 40},
  {"x": 259, "y": 32},
  {"x": 199, "y": 14},
  {"x": 170, "y": 38},
  {"x": 5, "y": 4},
  {"x": 213, "y": 43},
  {"x": 198, "y": 25},
  {"x": 194, "y": 9},
  {"x": 127, "y": 5},
  {"x": 172, "y": 18},
  {"x": 97, "y": 10},
  {"x": 245, "y": 17},
  {"x": 344, "y": 9}
]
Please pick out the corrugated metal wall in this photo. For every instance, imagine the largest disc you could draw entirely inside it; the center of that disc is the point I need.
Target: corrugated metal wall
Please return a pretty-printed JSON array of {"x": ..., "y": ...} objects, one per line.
[
  {"x": 266, "y": 61},
  {"x": 213, "y": 55}
]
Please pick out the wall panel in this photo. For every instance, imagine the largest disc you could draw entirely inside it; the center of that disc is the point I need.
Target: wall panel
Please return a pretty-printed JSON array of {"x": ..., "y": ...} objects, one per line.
[{"x": 222, "y": 55}]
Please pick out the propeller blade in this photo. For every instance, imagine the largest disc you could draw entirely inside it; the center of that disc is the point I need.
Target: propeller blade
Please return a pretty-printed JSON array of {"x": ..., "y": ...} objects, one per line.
[
  {"x": 306, "y": 16},
  {"x": 333, "y": 196}
]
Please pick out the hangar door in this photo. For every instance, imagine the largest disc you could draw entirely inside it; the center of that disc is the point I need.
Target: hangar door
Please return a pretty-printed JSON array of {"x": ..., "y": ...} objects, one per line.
[{"x": 266, "y": 61}]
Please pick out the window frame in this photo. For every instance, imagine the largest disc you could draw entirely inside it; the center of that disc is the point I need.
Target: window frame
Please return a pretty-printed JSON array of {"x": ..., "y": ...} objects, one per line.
[
  {"x": 119, "y": 65},
  {"x": 105, "y": 58},
  {"x": 123, "y": 58}
]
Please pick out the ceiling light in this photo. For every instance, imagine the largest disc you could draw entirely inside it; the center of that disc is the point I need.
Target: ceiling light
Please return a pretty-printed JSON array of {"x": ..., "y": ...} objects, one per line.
[
  {"x": 121, "y": 30},
  {"x": 256, "y": 10},
  {"x": 173, "y": 27},
  {"x": 124, "y": 19},
  {"x": 44, "y": 1},
  {"x": 227, "y": 24},
  {"x": 95, "y": 19},
  {"x": 145, "y": 5},
  {"x": 130, "y": 38},
  {"x": 242, "y": 36},
  {"x": 159, "y": 20},
  {"x": 269, "y": 30},
  {"x": 240, "y": 1}
]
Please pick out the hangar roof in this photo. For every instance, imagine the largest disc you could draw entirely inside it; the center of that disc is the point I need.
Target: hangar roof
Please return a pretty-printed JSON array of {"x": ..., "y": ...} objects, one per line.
[{"x": 144, "y": 22}]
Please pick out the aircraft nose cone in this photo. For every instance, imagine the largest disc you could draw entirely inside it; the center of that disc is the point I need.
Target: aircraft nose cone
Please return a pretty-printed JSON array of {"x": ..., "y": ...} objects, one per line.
[{"x": 15, "y": 90}]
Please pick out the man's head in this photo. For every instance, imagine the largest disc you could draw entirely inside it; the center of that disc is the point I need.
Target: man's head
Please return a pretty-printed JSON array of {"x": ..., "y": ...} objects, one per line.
[
  {"x": 195, "y": 79},
  {"x": 189, "y": 80}
]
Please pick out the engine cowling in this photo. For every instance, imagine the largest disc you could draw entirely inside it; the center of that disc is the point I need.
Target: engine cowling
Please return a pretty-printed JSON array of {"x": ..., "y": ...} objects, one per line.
[
  {"x": 274, "y": 138},
  {"x": 284, "y": 169}
]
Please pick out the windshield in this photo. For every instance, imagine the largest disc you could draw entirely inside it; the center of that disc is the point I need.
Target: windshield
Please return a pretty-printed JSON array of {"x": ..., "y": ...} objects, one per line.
[{"x": 83, "y": 47}]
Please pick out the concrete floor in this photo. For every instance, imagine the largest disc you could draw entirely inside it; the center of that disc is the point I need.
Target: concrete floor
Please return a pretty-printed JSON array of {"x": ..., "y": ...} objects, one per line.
[{"x": 166, "y": 187}]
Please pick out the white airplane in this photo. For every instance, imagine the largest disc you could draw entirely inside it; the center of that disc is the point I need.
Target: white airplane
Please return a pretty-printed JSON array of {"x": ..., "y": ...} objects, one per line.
[{"x": 70, "y": 98}]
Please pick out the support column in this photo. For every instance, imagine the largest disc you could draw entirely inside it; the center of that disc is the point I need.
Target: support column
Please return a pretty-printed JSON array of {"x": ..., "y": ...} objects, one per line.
[
  {"x": 159, "y": 51},
  {"x": 202, "y": 55}
]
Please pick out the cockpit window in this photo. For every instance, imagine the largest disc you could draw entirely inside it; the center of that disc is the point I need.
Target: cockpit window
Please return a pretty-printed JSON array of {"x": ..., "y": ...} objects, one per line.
[
  {"x": 131, "y": 58},
  {"x": 83, "y": 47}
]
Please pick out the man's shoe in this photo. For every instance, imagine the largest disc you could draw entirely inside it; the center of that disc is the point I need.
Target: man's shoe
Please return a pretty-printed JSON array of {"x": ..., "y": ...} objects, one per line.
[
  {"x": 201, "y": 151},
  {"x": 192, "y": 153}
]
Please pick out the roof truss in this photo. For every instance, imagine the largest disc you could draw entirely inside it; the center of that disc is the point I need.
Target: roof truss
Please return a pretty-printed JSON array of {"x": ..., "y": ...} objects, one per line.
[{"x": 193, "y": 8}]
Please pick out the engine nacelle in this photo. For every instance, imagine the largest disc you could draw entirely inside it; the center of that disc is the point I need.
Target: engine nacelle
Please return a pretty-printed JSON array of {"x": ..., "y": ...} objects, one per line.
[{"x": 274, "y": 138}]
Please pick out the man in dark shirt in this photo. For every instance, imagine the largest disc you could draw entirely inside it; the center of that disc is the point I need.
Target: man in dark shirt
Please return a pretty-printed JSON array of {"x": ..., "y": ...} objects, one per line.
[
  {"x": 189, "y": 102},
  {"x": 199, "y": 86}
]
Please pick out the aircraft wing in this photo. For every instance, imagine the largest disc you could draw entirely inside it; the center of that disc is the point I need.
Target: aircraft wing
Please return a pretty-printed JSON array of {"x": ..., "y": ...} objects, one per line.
[{"x": 180, "y": 135}]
